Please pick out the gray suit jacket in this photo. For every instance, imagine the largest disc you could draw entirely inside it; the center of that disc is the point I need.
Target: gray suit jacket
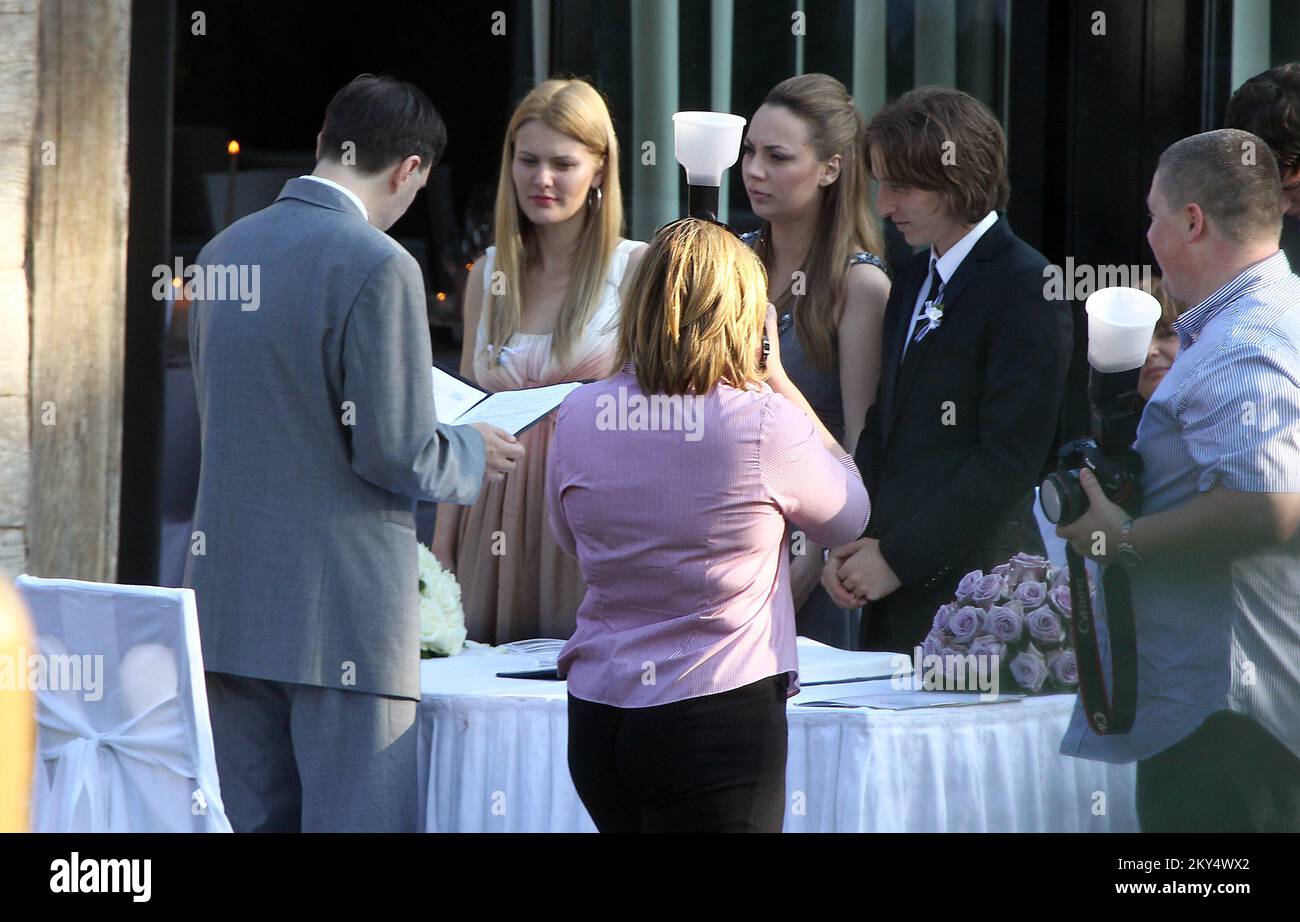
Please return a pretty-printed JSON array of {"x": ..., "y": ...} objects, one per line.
[{"x": 318, "y": 431}]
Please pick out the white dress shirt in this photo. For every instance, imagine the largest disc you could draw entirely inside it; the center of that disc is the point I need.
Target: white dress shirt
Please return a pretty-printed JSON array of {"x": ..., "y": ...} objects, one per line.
[
  {"x": 346, "y": 191},
  {"x": 948, "y": 264}
]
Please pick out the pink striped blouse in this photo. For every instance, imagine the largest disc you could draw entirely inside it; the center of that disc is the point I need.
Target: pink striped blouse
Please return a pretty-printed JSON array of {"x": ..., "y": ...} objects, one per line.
[{"x": 676, "y": 509}]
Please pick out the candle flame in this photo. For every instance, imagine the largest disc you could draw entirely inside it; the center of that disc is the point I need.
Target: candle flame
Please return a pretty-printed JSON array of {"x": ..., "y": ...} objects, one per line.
[{"x": 233, "y": 148}]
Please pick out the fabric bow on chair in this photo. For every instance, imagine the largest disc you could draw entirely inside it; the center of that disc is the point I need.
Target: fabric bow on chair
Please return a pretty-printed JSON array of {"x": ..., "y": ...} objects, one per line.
[{"x": 94, "y": 766}]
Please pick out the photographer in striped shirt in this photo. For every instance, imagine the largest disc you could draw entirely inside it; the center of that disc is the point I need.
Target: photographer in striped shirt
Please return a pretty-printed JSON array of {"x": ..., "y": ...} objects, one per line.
[{"x": 1215, "y": 559}]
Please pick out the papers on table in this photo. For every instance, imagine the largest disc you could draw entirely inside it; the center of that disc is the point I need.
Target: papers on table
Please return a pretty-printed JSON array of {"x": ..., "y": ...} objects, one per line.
[
  {"x": 909, "y": 700},
  {"x": 834, "y": 678},
  {"x": 892, "y": 695},
  {"x": 820, "y": 664},
  {"x": 459, "y": 403},
  {"x": 546, "y": 650}
]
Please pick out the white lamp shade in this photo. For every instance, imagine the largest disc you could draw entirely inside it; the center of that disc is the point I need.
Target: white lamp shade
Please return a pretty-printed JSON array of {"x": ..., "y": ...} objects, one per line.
[
  {"x": 706, "y": 144},
  {"x": 1121, "y": 322}
]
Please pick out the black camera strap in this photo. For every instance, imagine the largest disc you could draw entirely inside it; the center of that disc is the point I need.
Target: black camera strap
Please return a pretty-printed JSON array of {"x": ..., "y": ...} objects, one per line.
[{"x": 1113, "y": 712}]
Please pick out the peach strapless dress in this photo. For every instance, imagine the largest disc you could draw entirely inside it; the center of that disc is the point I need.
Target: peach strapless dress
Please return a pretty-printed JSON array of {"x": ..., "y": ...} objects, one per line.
[{"x": 515, "y": 582}]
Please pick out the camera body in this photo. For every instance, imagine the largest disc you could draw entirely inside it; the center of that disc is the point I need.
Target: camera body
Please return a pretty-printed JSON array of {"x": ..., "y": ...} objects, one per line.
[
  {"x": 1119, "y": 474},
  {"x": 1116, "y": 408}
]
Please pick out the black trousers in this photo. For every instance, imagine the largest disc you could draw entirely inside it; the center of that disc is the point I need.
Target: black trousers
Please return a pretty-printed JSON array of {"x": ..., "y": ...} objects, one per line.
[
  {"x": 1230, "y": 775},
  {"x": 710, "y": 764}
]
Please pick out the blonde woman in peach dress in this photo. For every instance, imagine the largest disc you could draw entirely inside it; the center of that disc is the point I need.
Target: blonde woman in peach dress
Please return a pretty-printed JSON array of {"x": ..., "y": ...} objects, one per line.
[{"x": 541, "y": 307}]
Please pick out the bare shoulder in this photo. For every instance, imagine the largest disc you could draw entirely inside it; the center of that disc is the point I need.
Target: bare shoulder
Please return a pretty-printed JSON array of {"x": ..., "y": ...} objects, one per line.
[
  {"x": 868, "y": 280},
  {"x": 867, "y": 289}
]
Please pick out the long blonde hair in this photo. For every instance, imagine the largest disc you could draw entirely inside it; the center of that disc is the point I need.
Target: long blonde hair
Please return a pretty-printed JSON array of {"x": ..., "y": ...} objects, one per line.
[
  {"x": 574, "y": 108},
  {"x": 695, "y": 312},
  {"x": 846, "y": 225}
]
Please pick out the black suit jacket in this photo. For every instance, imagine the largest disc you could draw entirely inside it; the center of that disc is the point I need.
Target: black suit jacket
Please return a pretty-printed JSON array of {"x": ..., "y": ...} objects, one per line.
[{"x": 958, "y": 436}]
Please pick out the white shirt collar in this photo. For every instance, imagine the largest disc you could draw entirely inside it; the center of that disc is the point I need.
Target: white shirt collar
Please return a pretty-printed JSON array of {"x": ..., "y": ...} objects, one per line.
[
  {"x": 346, "y": 191},
  {"x": 950, "y": 260}
]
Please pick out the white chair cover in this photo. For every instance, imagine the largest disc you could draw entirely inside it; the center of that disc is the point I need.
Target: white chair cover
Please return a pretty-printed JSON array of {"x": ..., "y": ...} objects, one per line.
[{"x": 124, "y": 741}]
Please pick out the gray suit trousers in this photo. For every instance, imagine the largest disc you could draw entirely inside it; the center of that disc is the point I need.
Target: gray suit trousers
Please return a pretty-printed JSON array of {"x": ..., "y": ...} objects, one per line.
[{"x": 300, "y": 758}]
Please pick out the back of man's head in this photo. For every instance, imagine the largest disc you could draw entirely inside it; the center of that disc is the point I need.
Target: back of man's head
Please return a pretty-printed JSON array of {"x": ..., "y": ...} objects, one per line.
[
  {"x": 376, "y": 122},
  {"x": 1232, "y": 175},
  {"x": 1268, "y": 105}
]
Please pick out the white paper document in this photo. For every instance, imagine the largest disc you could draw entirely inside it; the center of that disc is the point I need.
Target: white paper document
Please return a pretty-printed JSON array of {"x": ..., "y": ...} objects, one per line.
[
  {"x": 909, "y": 700},
  {"x": 895, "y": 694},
  {"x": 459, "y": 403},
  {"x": 820, "y": 664}
]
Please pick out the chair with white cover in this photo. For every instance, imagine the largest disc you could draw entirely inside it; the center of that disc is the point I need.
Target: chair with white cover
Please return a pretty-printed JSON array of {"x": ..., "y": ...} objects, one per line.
[{"x": 124, "y": 740}]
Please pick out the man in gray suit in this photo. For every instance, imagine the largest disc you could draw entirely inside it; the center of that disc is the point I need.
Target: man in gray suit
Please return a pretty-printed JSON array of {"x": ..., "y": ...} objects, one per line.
[{"x": 312, "y": 368}]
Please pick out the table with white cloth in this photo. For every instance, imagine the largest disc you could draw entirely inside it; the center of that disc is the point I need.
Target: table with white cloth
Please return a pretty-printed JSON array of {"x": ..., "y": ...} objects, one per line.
[{"x": 493, "y": 757}]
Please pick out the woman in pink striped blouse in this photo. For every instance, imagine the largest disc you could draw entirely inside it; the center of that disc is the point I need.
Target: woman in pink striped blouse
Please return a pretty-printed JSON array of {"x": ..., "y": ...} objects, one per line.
[{"x": 672, "y": 482}]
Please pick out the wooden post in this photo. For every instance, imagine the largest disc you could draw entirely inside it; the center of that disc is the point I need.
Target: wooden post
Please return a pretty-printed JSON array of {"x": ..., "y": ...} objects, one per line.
[{"x": 78, "y": 277}]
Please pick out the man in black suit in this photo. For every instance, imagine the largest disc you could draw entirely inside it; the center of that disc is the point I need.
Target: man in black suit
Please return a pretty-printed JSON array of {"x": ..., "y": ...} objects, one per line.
[{"x": 973, "y": 369}]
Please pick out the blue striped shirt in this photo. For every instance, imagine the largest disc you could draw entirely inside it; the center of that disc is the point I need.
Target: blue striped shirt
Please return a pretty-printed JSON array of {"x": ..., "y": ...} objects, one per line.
[{"x": 1223, "y": 634}]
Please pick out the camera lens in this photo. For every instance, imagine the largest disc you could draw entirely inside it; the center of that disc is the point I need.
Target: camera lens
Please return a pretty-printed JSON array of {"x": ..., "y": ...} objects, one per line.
[
  {"x": 1050, "y": 499},
  {"x": 1062, "y": 498}
]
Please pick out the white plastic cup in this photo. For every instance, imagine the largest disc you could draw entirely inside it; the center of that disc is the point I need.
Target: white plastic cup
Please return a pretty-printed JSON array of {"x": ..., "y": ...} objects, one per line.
[
  {"x": 1121, "y": 322},
  {"x": 706, "y": 144}
]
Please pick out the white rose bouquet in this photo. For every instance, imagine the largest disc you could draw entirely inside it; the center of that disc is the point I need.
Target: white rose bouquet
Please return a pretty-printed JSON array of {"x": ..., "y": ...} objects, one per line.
[{"x": 442, "y": 619}]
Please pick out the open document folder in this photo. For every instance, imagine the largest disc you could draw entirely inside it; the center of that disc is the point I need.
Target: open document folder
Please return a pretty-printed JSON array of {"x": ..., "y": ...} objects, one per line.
[{"x": 459, "y": 403}]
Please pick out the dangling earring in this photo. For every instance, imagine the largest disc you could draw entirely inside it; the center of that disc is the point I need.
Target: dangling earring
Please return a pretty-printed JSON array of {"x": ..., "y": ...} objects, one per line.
[{"x": 593, "y": 204}]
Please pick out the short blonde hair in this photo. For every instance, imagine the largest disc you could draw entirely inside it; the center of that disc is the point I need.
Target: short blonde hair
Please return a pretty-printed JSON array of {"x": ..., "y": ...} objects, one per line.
[{"x": 695, "y": 312}]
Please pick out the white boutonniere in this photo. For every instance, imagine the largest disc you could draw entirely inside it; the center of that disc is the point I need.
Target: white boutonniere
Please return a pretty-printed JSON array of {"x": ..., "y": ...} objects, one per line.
[{"x": 934, "y": 313}]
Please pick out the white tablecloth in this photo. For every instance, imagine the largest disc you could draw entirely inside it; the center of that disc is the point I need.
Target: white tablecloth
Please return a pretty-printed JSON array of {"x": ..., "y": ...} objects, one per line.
[{"x": 493, "y": 758}]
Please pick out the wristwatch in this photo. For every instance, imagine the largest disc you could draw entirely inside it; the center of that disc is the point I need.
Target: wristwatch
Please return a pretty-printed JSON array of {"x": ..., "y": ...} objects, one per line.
[{"x": 1128, "y": 556}]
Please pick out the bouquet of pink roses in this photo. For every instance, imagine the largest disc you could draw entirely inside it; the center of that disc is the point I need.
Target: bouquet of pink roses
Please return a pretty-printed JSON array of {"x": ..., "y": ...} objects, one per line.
[{"x": 1020, "y": 613}]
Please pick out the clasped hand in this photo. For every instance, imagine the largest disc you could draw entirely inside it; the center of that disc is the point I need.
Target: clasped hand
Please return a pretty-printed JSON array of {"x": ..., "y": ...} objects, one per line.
[{"x": 857, "y": 573}]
